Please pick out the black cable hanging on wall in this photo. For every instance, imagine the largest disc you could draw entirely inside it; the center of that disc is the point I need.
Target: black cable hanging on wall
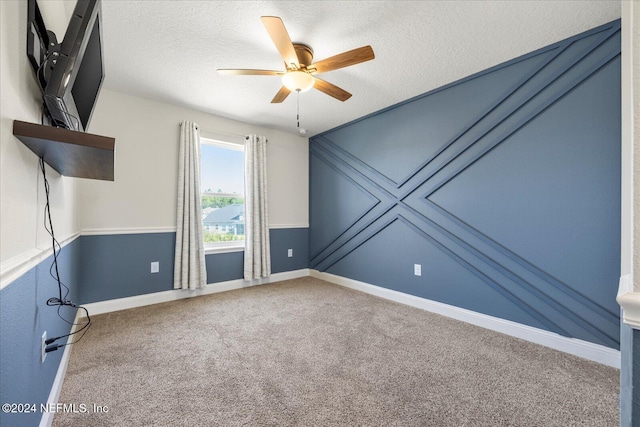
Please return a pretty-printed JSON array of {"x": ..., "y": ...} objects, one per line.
[{"x": 61, "y": 300}]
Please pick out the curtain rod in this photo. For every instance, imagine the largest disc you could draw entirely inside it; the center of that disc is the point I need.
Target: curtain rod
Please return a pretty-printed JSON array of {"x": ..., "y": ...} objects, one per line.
[{"x": 219, "y": 131}]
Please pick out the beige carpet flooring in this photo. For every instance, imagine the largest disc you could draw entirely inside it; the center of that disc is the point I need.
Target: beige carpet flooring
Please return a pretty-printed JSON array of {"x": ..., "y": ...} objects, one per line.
[{"x": 306, "y": 352}]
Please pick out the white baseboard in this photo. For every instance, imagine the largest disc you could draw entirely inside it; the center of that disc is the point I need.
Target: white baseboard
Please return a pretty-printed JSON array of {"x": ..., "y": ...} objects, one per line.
[
  {"x": 142, "y": 300},
  {"x": 56, "y": 388},
  {"x": 584, "y": 349},
  {"x": 176, "y": 294},
  {"x": 580, "y": 348}
]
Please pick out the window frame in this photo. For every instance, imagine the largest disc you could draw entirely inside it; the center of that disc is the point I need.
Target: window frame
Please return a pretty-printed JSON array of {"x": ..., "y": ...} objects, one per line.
[{"x": 234, "y": 245}]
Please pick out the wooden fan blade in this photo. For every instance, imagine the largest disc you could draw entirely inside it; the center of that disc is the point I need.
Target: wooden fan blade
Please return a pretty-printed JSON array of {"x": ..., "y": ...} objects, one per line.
[
  {"x": 280, "y": 37},
  {"x": 281, "y": 95},
  {"x": 229, "y": 72},
  {"x": 331, "y": 89},
  {"x": 345, "y": 59}
]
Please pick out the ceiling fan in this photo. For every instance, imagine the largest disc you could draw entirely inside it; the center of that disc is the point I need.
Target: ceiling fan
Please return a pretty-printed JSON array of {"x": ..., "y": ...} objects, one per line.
[{"x": 300, "y": 68}]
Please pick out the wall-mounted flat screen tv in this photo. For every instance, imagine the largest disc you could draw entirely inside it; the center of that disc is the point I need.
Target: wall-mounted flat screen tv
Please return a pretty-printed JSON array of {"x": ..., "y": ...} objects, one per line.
[{"x": 71, "y": 72}]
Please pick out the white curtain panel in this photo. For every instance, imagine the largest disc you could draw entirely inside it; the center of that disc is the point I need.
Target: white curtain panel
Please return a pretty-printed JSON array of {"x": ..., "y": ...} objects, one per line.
[
  {"x": 189, "y": 266},
  {"x": 257, "y": 256}
]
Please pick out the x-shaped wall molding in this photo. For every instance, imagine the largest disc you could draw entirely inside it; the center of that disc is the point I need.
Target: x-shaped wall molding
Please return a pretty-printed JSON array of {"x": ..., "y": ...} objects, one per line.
[{"x": 410, "y": 200}]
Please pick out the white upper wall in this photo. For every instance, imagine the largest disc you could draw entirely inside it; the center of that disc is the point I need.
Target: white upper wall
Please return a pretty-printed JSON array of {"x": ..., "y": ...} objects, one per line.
[
  {"x": 22, "y": 199},
  {"x": 635, "y": 211},
  {"x": 143, "y": 195}
]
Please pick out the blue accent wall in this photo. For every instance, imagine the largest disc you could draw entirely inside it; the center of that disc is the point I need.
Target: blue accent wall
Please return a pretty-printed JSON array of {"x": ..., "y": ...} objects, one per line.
[
  {"x": 24, "y": 316},
  {"x": 635, "y": 392},
  {"x": 119, "y": 265},
  {"x": 504, "y": 186}
]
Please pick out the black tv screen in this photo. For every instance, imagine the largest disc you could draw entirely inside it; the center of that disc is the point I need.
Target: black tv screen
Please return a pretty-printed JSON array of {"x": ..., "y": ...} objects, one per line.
[{"x": 76, "y": 69}]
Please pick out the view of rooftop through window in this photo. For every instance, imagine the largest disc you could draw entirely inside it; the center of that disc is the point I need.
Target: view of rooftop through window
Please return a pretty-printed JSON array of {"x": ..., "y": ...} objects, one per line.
[{"x": 222, "y": 187}]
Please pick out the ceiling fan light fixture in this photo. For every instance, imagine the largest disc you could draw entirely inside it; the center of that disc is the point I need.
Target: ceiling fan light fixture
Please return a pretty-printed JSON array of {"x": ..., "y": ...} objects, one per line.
[{"x": 298, "y": 81}]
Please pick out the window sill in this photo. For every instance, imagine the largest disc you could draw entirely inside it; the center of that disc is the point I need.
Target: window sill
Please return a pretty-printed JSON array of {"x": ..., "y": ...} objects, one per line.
[{"x": 223, "y": 249}]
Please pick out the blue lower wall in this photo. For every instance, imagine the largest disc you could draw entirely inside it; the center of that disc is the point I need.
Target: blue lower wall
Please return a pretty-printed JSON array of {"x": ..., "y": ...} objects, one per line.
[
  {"x": 230, "y": 266},
  {"x": 24, "y": 316},
  {"x": 283, "y": 239},
  {"x": 224, "y": 266},
  {"x": 503, "y": 186},
  {"x": 118, "y": 265}
]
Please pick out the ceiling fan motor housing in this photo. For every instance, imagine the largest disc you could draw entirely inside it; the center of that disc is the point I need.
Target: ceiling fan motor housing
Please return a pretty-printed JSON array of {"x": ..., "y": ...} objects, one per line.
[{"x": 304, "y": 54}]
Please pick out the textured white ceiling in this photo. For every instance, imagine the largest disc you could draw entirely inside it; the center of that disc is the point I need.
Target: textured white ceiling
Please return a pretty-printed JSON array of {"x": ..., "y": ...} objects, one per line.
[{"x": 170, "y": 50}]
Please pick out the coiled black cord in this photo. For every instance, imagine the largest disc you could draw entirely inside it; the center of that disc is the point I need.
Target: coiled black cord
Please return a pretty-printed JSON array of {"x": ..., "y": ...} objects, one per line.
[{"x": 61, "y": 300}]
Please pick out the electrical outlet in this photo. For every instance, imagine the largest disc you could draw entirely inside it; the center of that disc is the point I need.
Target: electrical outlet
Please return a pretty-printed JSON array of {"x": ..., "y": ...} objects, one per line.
[
  {"x": 155, "y": 266},
  {"x": 42, "y": 347},
  {"x": 417, "y": 269},
  {"x": 289, "y": 253}
]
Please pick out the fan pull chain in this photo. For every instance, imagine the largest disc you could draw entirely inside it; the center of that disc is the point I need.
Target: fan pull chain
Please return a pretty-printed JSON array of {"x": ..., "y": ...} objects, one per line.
[
  {"x": 298, "y": 109},
  {"x": 301, "y": 131}
]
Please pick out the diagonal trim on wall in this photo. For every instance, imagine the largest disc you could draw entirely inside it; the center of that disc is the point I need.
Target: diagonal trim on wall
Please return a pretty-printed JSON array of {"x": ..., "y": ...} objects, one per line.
[
  {"x": 362, "y": 212},
  {"x": 545, "y": 80}
]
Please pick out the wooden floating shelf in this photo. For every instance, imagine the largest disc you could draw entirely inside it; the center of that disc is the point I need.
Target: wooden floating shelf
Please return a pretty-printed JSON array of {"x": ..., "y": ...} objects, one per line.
[{"x": 70, "y": 153}]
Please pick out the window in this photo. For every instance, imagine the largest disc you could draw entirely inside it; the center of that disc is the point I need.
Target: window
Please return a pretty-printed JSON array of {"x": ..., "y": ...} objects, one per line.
[{"x": 222, "y": 198}]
